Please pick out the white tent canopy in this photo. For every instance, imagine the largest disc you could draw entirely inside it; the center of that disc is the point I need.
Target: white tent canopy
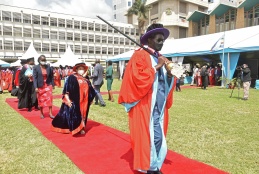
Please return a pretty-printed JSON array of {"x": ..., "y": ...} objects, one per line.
[
  {"x": 31, "y": 52},
  {"x": 68, "y": 59},
  {"x": 124, "y": 56},
  {"x": 4, "y": 64},
  {"x": 239, "y": 40},
  {"x": 16, "y": 63}
]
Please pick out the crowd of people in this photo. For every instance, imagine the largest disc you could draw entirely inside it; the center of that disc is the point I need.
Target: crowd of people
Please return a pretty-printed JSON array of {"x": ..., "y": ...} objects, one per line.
[
  {"x": 206, "y": 75},
  {"x": 33, "y": 85}
]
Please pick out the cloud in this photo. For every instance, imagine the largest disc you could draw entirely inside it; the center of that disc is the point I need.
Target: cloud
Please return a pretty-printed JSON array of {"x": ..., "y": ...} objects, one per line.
[{"x": 86, "y": 8}]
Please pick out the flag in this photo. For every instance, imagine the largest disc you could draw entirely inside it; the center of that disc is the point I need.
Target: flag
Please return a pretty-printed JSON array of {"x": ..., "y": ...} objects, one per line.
[{"x": 219, "y": 44}]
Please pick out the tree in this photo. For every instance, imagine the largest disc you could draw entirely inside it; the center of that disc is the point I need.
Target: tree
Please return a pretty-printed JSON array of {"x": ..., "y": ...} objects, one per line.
[{"x": 140, "y": 9}]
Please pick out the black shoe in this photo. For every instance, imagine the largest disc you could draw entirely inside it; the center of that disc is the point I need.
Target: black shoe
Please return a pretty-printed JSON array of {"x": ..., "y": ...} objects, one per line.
[
  {"x": 96, "y": 103},
  {"x": 29, "y": 109},
  {"x": 37, "y": 108},
  {"x": 103, "y": 105}
]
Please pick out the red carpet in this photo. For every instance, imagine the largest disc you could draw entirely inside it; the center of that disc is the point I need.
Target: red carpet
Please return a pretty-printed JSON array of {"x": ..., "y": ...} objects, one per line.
[{"x": 106, "y": 150}]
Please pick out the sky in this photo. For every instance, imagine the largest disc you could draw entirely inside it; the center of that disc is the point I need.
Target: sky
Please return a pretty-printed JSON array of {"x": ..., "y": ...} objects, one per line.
[{"x": 86, "y": 8}]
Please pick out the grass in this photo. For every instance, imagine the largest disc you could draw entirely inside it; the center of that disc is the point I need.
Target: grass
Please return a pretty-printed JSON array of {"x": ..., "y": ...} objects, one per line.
[{"x": 208, "y": 126}]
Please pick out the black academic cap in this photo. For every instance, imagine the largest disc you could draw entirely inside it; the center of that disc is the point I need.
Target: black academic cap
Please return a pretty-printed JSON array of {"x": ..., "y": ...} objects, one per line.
[
  {"x": 23, "y": 61},
  {"x": 30, "y": 59}
]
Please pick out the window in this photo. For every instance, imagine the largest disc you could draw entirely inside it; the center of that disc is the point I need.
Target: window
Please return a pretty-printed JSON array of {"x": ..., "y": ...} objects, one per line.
[
  {"x": 97, "y": 50},
  {"x": 53, "y": 22},
  {"x": 97, "y": 27},
  {"x": 121, "y": 50},
  {"x": 91, "y": 49},
  {"x": 129, "y": 3},
  {"x": 104, "y": 39},
  {"x": 77, "y": 24},
  {"x": 104, "y": 50},
  {"x": 77, "y": 36},
  {"x": 37, "y": 46},
  {"x": 110, "y": 40},
  {"x": 61, "y": 35},
  {"x": 69, "y": 36},
  {"x": 91, "y": 38},
  {"x": 26, "y": 45},
  {"x": 77, "y": 48},
  {"x": 17, "y": 31},
  {"x": 121, "y": 41},
  {"x": 114, "y": 16},
  {"x": 97, "y": 38},
  {"x": 116, "y": 40},
  {"x": 84, "y": 49},
  {"x": 61, "y": 22},
  {"x": 127, "y": 31},
  {"x": 26, "y": 18},
  {"x": 90, "y": 26},
  {"x": 54, "y": 47},
  {"x": 84, "y": 25},
  {"x": 36, "y": 33},
  {"x": 53, "y": 35},
  {"x": 84, "y": 37},
  {"x": 45, "y": 21},
  {"x": 182, "y": 32},
  {"x": 8, "y": 45},
  {"x": 183, "y": 8},
  {"x": 104, "y": 28},
  {"x": 62, "y": 48},
  {"x": 127, "y": 42},
  {"x": 116, "y": 51},
  {"x": 110, "y": 51},
  {"x": 110, "y": 29},
  {"x": 17, "y": 17},
  {"x": 45, "y": 34},
  {"x": 114, "y": 7},
  {"x": 1, "y": 45},
  {"x": 69, "y": 23},
  {"x": 45, "y": 47},
  {"x": 132, "y": 31},
  {"x": 18, "y": 45},
  {"x": 36, "y": 19},
  {"x": 7, "y": 31},
  {"x": 6, "y": 16},
  {"x": 26, "y": 32}
]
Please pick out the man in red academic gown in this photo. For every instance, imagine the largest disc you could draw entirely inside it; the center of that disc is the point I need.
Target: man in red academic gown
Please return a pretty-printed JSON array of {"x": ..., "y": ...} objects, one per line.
[{"x": 147, "y": 94}]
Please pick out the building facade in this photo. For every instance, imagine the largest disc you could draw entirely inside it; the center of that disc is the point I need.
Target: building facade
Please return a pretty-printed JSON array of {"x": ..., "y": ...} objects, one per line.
[
  {"x": 173, "y": 14},
  {"x": 224, "y": 15},
  {"x": 52, "y": 32},
  {"x": 120, "y": 8}
]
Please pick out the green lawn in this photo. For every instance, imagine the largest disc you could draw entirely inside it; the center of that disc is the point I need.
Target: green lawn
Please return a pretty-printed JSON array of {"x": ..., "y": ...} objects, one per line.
[{"x": 204, "y": 125}]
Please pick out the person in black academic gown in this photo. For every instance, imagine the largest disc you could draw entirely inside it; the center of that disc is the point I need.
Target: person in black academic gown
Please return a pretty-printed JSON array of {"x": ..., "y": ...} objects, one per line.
[{"x": 26, "y": 93}]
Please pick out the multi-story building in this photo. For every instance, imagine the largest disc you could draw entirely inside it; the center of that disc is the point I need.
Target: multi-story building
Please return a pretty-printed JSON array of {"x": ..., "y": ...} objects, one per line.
[
  {"x": 224, "y": 15},
  {"x": 173, "y": 13},
  {"x": 120, "y": 8},
  {"x": 52, "y": 32}
]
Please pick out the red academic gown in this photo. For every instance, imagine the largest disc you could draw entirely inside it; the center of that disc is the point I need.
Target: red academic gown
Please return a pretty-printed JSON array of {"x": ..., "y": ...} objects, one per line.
[
  {"x": 137, "y": 86},
  {"x": 1, "y": 87},
  {"x": 8, "y": 77},
  {"x": 211, "y": 76},
  {"x": 16, "y": 79},
  {"x": 57, "y": 79}
]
